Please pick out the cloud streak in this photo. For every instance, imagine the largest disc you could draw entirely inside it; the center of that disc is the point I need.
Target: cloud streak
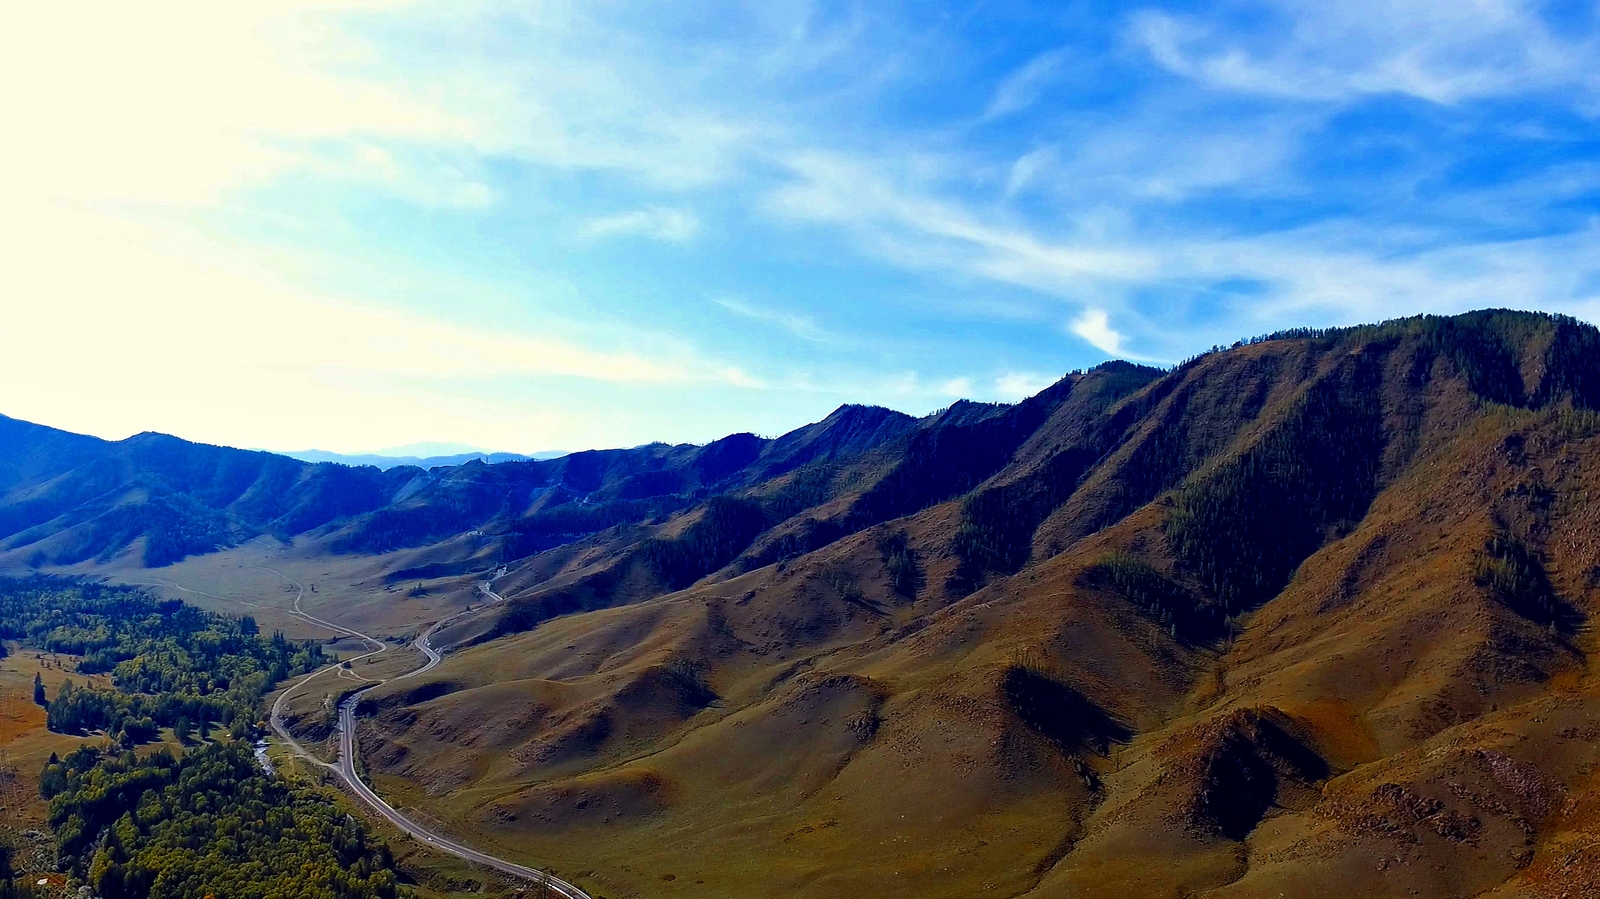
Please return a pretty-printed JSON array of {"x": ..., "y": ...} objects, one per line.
[
  {"x": 654, "y": 222},
  {"x": 1022, "y": 88},
  {"x": 801, "y": 326},
  {"x": 1441, "y": 53}
]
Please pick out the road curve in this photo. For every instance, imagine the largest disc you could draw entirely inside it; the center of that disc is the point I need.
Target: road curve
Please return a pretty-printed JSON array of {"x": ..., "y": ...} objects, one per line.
[
  {"x": 345, "y": 766},
  {"x": 278, "y": 724}
]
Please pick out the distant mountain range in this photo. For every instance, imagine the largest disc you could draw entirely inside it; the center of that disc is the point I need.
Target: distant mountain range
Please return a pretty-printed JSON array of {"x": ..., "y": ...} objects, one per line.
[
  {"x": 387, "y": 461},
  {"x": 69, "y": 498}
]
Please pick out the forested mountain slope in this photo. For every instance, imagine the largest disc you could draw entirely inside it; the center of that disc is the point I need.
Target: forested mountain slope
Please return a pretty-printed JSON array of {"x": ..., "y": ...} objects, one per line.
[
  {"x": 1307, "y": 616},
  {"x": 66, "y": 498}
]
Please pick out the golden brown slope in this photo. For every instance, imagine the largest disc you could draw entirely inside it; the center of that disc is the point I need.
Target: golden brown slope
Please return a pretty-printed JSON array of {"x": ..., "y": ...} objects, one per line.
[{"x": 1396, "y": 523}]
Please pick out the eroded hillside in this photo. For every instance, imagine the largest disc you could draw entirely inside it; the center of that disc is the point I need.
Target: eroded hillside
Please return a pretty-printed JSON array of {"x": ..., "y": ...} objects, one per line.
[{"x": 1308, "y": 616}]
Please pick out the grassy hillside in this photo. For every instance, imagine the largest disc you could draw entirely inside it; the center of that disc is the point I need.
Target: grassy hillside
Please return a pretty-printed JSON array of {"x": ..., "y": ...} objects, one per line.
[
  {"x": 1313, "y": 609},
  {"x": 1310, "y": 610}
]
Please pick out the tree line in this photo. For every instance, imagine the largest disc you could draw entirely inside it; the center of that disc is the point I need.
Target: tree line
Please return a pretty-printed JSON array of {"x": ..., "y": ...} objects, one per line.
[
  {"x": 170, "y": 662},
  {"x": 208, "y": 823}
]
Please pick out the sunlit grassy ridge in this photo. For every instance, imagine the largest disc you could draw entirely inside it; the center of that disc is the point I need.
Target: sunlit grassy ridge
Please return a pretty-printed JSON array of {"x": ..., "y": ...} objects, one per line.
[
  {"x": 1309, "y": 609},
  {"x": 1234, "y": 627}
]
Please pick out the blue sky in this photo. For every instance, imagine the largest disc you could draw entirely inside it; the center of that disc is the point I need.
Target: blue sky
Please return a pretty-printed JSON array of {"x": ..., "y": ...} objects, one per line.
[{"x": 354, "y": 224}]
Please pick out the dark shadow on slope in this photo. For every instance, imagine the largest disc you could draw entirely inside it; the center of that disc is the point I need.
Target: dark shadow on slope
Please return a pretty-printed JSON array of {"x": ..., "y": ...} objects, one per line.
[
  {"x": 1244, "y": 528},
  {"x": 1059, "y": 713},
  {"x": 1514, "y": 575},
  {"x": 1187, "y": 617},
  {"x": 1238, "y": 768}
]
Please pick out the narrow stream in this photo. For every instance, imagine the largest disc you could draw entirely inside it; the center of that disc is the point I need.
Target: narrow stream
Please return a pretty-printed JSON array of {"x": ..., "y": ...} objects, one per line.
[{"x": 261, "y": 756}]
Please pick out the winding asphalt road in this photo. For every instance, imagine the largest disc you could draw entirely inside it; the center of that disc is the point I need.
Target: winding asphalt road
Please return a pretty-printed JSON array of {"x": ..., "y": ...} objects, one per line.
[{"x": 345, "y": 766}]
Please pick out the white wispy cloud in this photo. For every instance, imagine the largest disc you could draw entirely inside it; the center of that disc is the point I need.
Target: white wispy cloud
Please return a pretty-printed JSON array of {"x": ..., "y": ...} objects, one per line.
[
  {"x": 1094, "y": 325},
  {"x": 1022, "y": 88},
  {"x": 431, "y": 181},
  {"x": 1440, "y": 52},
  {"x": 798, "y": 324},
  {"x": 1019, "y": 385},
  {"x": 655, "y": 222},
  {"x": 1342, "y": 272},
  {"x": 954, "y": 388},
  {"x": 913, "y": 227},
  {"x": 1026, "y": 168}
]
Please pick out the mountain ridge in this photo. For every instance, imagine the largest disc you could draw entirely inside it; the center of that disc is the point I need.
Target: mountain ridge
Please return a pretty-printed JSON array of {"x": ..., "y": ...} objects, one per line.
[
  {"x": 387, "y": 460},
  {"x": 1312, "y": 609},
  {"x": 58, "y": 481},
  {"x": 1308, "y": 610}
]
